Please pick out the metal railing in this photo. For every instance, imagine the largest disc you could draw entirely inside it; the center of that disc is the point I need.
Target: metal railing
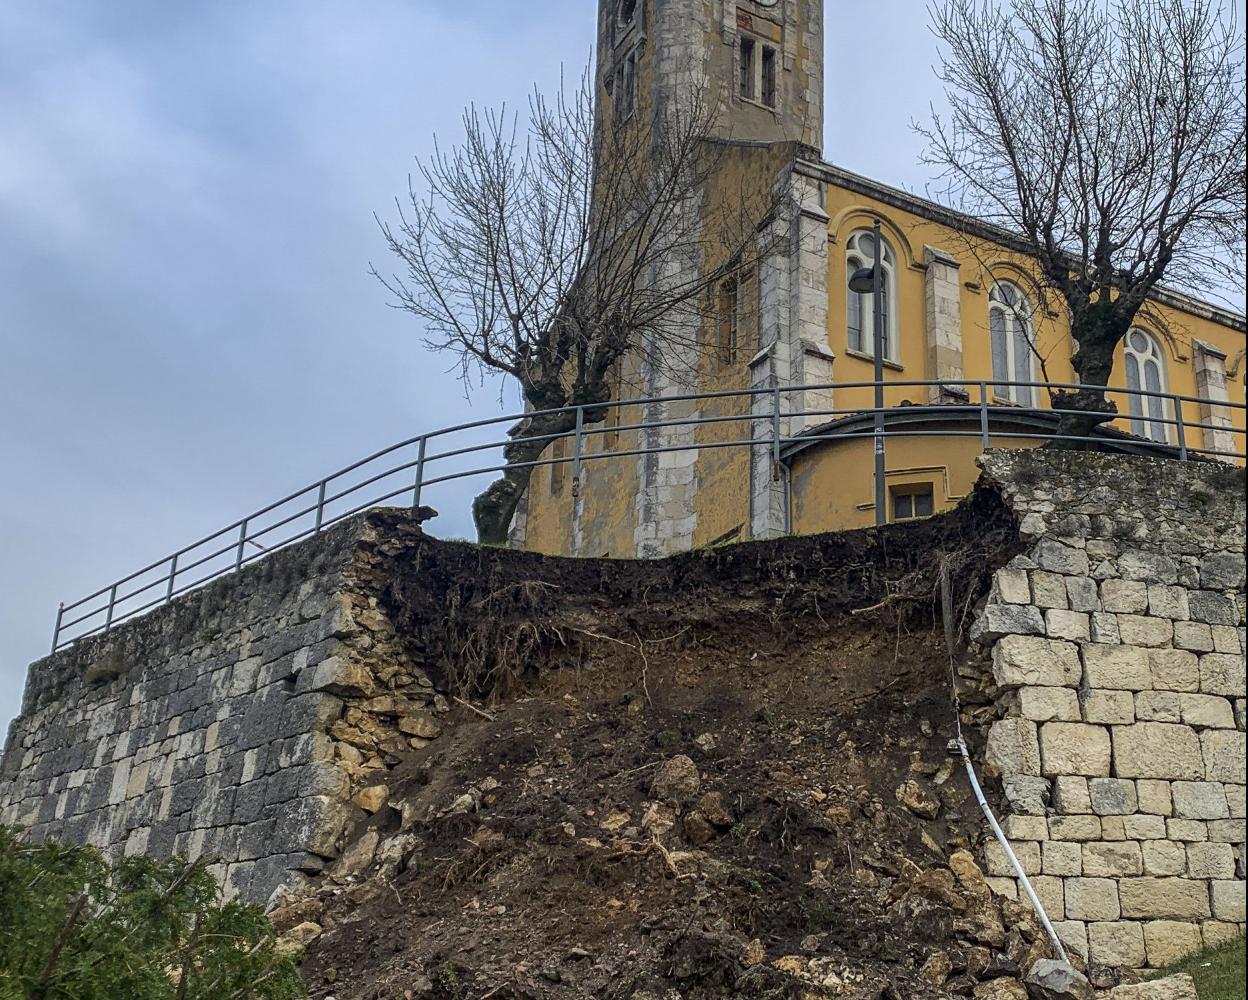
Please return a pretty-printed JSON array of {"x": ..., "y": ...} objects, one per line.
[{"x": 411, "y": 467}]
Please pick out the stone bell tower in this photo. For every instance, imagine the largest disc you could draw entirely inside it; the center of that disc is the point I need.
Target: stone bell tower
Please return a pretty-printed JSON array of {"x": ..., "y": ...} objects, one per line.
[{"x": 758, "y": 62}]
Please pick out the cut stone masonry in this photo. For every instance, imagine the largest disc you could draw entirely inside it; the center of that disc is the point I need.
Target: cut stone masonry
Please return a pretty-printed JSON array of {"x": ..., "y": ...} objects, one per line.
[{"x": 1116, "y": 681}]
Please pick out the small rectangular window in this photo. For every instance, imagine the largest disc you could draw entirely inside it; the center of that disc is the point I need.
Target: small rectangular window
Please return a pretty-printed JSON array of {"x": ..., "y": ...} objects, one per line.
[
  {"x": 747, "y": 68},
  {"x": 769, "y": 76},
  {"x": 914, "y": 501}
]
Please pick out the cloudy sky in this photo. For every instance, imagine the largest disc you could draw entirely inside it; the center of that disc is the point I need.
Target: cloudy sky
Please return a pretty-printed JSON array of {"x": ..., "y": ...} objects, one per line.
[{"x": 187, "y": 325}]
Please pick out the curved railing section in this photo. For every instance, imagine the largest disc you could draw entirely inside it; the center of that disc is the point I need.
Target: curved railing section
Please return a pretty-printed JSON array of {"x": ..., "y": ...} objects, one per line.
[{"x": 409, "y": 469}]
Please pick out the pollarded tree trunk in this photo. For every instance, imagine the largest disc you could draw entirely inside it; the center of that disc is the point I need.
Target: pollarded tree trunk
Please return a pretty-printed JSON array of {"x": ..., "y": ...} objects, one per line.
[
  {"x": 1097, "y": 329},
  {"x": 494, "y": 508}
]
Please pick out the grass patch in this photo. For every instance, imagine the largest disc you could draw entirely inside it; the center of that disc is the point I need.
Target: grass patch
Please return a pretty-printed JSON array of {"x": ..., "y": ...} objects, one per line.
[{"x": 1219, "y": 972}]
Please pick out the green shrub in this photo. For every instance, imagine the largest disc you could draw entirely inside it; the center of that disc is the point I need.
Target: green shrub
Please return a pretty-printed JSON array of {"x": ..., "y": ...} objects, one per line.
[{"x": 75, "y": 927}]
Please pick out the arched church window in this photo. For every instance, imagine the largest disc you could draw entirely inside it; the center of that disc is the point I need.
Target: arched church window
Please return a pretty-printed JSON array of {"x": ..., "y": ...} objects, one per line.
[
  {"x": 1010, "y": 318},
  {"x": 627, "y": 12},
  {"x": 860, "y": 306},
  {"x": 1146, "y": 371}
]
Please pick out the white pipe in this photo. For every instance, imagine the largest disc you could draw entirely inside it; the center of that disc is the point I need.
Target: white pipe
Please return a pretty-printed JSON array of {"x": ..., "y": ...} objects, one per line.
[{"x": 1009, "y": 852}]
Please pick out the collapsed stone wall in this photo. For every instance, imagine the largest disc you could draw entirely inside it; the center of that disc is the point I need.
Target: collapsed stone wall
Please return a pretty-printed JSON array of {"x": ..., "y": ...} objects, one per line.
[
  {"x": 236, "y": 723},
  {"x": 1116, "y": 681}
]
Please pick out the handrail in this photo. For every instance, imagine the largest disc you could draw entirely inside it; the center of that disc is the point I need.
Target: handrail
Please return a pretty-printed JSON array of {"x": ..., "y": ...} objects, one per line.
[{"x": 227, "y": 550}]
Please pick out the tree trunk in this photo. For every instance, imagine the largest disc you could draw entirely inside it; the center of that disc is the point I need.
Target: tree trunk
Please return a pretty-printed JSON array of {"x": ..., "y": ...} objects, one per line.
[
  {"x": 494, "y": 508},
  {"x": 1097, "y": 332}
]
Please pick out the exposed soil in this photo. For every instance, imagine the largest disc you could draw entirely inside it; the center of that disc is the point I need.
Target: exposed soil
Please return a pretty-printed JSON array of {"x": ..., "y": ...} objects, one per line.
[{"x": 562, "y": 848}]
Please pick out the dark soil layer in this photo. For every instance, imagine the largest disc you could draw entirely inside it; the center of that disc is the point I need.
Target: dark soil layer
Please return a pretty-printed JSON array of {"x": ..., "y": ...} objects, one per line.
[{"x": 543, "y": 852}]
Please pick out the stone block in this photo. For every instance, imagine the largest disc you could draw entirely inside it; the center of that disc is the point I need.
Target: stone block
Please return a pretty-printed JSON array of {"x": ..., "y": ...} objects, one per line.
[
  {"x": 1082, "y": 594},
  {"x": 1157, "y": 750},
  {"x": 1144, "y": 827},
  {"x": 1092, "y": 899},
  {"x": 1210, "y": 860},
  {"x": 1167, "y": 602},
  {"x": 1113, "y": 828},
  {"x": 1164, "y": 857},
  {"x": 1007, "y": 619},
  {"x": 1062, "y": 858},
  {"x": 1118, "y": 944},
  {"x": 1070, "y": 794},
  {"x": 1120, "y": 668},
  {"x": 1195, "y": 636},
  {"x": 1216, "y": 933},
  {"x": 1222, "y": 673},
  {"x": 1020, "y": 660},
  {"x": 1075, "y": 827},
  {"x": 1199, "y": 800},
  {"x": 1046, "y": 704},
  {"x": 1014, "y": 747},
  {"x": 1140, "y": 630},
  {"x": 1222, "y": 570},
  {"x": 1207, "y": 711},
  {"x": 1227, "y": 640},
  {"x": 1012, "y": 586},
  {"x": 1018, "y": 827},
  {"x": 1211, "y": 607},
  {"x": 1174, "y": 669},
  {"x": 1228, "y": 900},
  {"x": 1057, "y": 557},
  {"x": 1104, "y": 627},
  {"x": 1112, "y": 796},
  {"x": 1187, "y": 830},
  {"x": 1151, "y": 898},
  {"x": 1048, "y": 590},
  {"x": 1107, "y": 708},
  {"x": 1112, "y": 860},
  {"x": 1070, "y": 625},
  {"x": 1235, "y": 800},
  {"x": 1171, "y": 941},
  {"x": 1074, "y": 937},
  {"x": 1224, "y": 755},
  {"x": 1074, "y": 748},
  {"x": 1159, "y": 706},
  {"x": 1147, "y": 567},
  {"x": 1051, "y": 893},
  {"x": 997, "y": 863},
  {"x": 1026, "y": 794},
  {"x": 1227, "y": 831},
  {"x": 1124, "y": 596},
  {"x": 1001, "y": 886}
]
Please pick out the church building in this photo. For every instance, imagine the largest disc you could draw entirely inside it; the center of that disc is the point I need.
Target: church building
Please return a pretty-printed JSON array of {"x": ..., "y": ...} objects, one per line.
[{"x": 962, "y": 310}]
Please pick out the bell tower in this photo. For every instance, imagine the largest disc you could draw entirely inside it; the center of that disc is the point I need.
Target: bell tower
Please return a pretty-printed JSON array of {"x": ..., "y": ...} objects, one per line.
[{"x": 758, "y": 63}]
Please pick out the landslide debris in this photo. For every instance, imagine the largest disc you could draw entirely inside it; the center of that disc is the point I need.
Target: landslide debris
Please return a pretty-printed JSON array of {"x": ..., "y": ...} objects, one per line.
[{"x": 697, "y": 780}]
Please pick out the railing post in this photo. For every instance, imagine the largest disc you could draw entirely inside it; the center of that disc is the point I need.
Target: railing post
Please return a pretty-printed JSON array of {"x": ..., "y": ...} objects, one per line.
[
  {"x": 420, "y": 473},
  {"x": 1178, "y": 423},
  {"x": 983, "y": 415},
  {"x": 242, "y": 541},
  {"x": 173, "y": 575},
  {"x": 775, "y": 433},
  {"x": 112, "y": 607},
  {"x": 577, "y": 444},
  {"x": 56, "y": 632},
  {"x": 320, "y": 504}
]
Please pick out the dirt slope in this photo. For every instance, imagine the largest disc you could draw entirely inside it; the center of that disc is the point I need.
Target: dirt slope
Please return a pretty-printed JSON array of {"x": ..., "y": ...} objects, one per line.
[{"x": 742, "y": 794}]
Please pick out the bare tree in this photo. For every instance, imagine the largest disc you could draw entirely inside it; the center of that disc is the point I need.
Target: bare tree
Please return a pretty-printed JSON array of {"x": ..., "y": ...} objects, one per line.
[
  {"x": 548, "y": 250},
  {"x": 1108, "y": 135}
]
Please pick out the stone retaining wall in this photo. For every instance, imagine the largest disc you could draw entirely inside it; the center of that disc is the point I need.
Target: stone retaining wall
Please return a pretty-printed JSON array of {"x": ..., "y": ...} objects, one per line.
[
  {"x": 1117, "y": 677},
  {"x": 251, "y": 721}
]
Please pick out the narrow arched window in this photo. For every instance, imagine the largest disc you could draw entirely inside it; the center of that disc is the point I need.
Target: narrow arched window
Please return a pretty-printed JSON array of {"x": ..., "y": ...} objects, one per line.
[
  {"x": 1146, "y": 372},
  {"x": 1010, "y": 317},
  {"x": 860, "y": 308}
]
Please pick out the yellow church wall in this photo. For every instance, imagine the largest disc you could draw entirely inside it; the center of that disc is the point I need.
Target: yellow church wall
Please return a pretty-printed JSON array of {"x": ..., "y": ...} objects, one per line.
[
  {"x": 982, "y": 264},
  {"x": 833, "y": 486}
]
